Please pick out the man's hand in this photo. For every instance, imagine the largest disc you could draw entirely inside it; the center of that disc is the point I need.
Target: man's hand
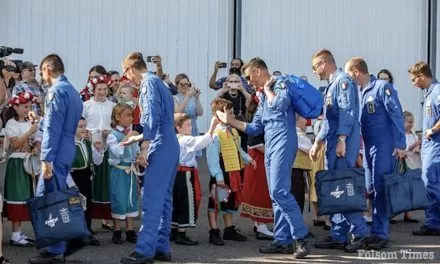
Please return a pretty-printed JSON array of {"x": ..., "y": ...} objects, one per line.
[
  {"x": 340, "y": 149},
  {"x": 400, "y": 153},
  {"x": 429, "y": 133},
  {"x": 217, "y": 65},
  {"x": 46, "y": 169},
  {"x": 157, "y": 60}
]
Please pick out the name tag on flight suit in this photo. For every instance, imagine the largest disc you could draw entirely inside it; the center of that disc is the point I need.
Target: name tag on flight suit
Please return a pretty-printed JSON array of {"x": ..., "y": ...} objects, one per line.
[
  {"x": 328, "y": 101},
  {"x": 370, "y": 105},
  {"x": 428, "y": 110}
]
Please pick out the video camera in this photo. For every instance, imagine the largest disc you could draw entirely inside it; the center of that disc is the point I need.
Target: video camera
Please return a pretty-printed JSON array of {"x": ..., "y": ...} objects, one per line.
[{"x": 6, "y": 51}]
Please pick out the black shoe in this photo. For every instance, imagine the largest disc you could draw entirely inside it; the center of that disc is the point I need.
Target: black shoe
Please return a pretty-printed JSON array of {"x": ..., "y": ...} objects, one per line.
[
  {"x": 355, "y": 244},
  {"x": 231, "y": 233},
  {"x": 74, "y": 245},
  {"x": 330, "y": 243},
  {"x": 4, "y": 261},
  {"x": 318, "y": 223},
  {"x": 162, "y": 256},
  {"x": 183, "y": 239},
  {"x": 215, "y": 238},
  {"x": 93, "y": 241},
  {"x": 21, "y": 243},
  {"x": 276, "y": 248},
  {"x": 117, "y": 237},
  {"x": 426, "y": 231},
  {"x": 393, "y": 221},
  {"x": 136, "y": 258},
  {"x": 47, "y": 258},
  {"x": 263, "y": 236},
  {"x": 377, "y": 243},
  {"x": 173, "y": 234},
  {"x": 327, "y": 227},
  {"x": 302, "y": 249},
  {"x": 255, "y": 229},
  {"x": 410, "y": 220},
  {"x": 131, "y": 236}
]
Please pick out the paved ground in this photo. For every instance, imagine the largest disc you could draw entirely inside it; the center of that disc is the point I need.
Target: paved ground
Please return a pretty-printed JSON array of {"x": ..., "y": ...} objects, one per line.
[{"x": 234, "y": 252}]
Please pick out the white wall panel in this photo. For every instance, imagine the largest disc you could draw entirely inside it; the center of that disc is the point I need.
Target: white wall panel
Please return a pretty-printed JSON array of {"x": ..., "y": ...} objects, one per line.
[
  {"x": 437, "y": 73},
  {"x": 190, "y": 35},
  {"x": 387, "y": 34}
]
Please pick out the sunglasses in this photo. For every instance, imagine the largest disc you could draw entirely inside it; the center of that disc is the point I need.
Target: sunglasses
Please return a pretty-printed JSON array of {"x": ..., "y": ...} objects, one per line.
[
  {"x": 314, "y": 67},
  {"x": 248, "y": 77}
]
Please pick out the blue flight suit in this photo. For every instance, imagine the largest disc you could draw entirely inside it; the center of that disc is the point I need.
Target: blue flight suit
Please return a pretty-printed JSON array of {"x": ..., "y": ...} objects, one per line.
[
  {"x": 431, "y": 155},
  {"x": 157, "y": 118},
  {"x": 383, "y": 131},
  {"x": 341, "y": 111},
  {"x": 277, "y": 120},
  {"x": 62, "y": 113}
]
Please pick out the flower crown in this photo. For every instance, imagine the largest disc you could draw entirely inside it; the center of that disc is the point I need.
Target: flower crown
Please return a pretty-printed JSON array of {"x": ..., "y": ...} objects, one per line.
[
  {"x": 97, "y": 80},
  {"x": 21, "y": 98}
]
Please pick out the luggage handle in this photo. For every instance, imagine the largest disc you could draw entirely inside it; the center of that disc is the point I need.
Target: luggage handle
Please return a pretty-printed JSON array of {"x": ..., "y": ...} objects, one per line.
[{"x": 341, "y": 161}]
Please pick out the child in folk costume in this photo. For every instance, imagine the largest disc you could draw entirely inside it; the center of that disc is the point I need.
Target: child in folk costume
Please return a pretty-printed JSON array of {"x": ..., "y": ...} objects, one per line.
[
  {"x": 123, "y": 180},
  {"x": 257, "y": 204},
  {"x": 97, "y": 113},
  {"x": 25, "y": 140},
  {"x": 302, "y": 164},
  {"x": 187, "y": 191},
  {"x": 225, "y": 160},
  {"x": 82, "y": 169}
]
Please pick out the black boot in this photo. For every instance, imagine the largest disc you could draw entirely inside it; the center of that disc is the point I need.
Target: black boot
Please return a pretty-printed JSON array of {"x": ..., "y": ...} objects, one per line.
[
  {"x": 355, "y": 244},
  {"x": 183, "y": 239},
  {"x": 426, "y": 231},
  {"x": 377, "y": 243},
  {"x": 329, "y": 243},
  {"x": 136, "y": 258},
  {"x": 162, "y": 256},
  {"x": 276, "y": 248},
  {"x": 173, "y": 234},
  {"x": 131, "y": 236},
  {"x": 302, "y": 249},
  {"x": 117, "y": 237},
  {"x": 231, "y": 233},
  {"x": 215, "y": 238},
  {"x": 47, "y": 258}
]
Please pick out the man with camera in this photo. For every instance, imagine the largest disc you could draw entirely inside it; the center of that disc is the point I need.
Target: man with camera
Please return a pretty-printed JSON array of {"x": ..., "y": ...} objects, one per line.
[{"x": 236, "y": 65}]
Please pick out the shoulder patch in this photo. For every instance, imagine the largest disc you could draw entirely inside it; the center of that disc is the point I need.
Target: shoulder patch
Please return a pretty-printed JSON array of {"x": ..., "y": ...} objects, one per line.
[
  {"x": 388, "y": 91},
  {"x": 438, "y": 97},
  {"x": 144, "y": 89},
  {"x": 50, "y": 96},
  {"x": 283, "y": 85},
  {"x": 344, "y": 85}
]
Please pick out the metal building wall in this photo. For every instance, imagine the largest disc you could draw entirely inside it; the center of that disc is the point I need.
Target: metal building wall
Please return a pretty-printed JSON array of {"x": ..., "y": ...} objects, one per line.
[
  {"x": 190, "y": 35},
  {"x": 387, "y": 34}
]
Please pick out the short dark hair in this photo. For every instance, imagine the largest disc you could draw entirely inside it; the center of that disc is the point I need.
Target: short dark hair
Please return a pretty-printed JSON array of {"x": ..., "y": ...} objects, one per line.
[
  {"x": 256, "y": 62},
  {"x": 219, "y": 104},
  {"x": 110, "y": 73},
  {"x": 99, "y": 69},
  {"x": 54, "y": 62},
  {"x": 326, "y": 54}
]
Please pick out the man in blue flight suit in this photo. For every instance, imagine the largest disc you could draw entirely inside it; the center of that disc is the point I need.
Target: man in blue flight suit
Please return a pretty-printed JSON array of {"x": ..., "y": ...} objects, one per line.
[
  {"x": 63, "y": 111},
  {"x": 341, "y": 131},
  {"x": 160, "y": 141},
  {"x": 421, "y": 77},
  {"x": 384, "y": 139},
  {"x": 275, "y": 117}
]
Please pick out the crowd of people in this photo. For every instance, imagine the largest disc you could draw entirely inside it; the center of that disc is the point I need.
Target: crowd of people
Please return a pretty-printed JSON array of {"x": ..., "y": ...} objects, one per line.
[{"x": 111, "y": 139}]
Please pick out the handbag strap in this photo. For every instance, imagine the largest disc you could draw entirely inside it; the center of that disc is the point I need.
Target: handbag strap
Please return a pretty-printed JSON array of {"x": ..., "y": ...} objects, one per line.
[
  {"x": 400, "y": 166},
  {"x": 341, "y": 161}
]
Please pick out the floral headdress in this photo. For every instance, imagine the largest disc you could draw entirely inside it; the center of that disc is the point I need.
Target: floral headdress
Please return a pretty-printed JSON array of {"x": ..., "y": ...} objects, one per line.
[
  {"x": 97, "y": 80},
  {"x": 21, "y": 98}
]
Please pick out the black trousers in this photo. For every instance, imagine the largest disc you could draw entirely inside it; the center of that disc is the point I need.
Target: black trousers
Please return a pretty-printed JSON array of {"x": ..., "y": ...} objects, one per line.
[
  {"x": 298, "y": 188},
  {"x": 83, "y": 181}
]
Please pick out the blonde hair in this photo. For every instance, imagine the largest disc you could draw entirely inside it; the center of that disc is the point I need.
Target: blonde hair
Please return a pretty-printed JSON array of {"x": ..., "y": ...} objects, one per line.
[
  {"x": 421, "y": 68},
  {"x": 134, "y": 60},
  {"x": 357, "y": 63},
  {"x": 180, "y": 118},
  {"x": 118, "y": 109}
]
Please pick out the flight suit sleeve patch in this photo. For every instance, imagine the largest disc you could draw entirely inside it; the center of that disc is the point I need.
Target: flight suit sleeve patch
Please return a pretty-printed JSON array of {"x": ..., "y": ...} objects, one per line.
[
  {"x": 344, "y": 85},
  {"x": 388, "y": 91},
  {"x": 50, "y": 96}
]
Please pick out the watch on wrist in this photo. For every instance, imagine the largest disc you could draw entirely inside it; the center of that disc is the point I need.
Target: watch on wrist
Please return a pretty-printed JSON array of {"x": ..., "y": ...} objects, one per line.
[{"x": 341, "y": 139}]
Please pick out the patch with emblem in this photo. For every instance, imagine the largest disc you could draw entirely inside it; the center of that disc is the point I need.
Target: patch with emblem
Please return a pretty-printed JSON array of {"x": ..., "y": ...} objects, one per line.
[
  {"x": 283, "y": 85},
  {"x": 51, "y": 96},
  {"x": 328, "y": 102},
  {"x": 344, "y": 85},
  {"x": 370, "y": 105},
  {"x": 388, "y": 91},
  {"x": 428, "y": 109},
  {"x": 144, "y": 90},
  {"x": 438, "y": 98}
]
